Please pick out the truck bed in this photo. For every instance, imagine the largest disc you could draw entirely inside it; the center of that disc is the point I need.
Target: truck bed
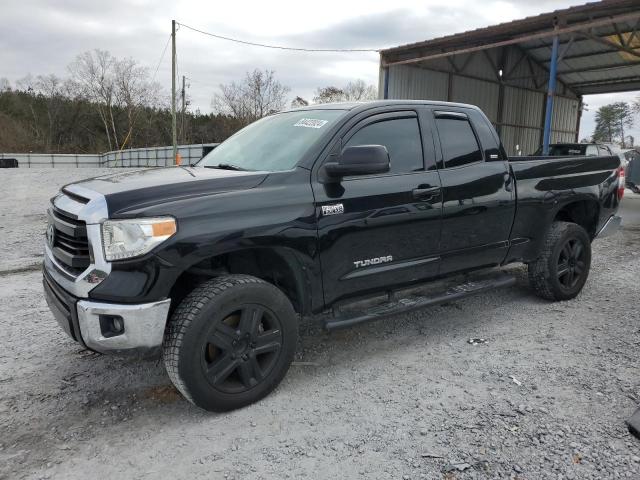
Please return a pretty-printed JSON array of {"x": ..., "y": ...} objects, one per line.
[{"x": 542, "y": 182}]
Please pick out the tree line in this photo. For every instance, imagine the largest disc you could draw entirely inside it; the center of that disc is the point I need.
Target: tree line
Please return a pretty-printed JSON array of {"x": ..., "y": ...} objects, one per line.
[
  {"x": 613, "y": 122},
  {"x": 108, "y": 103}
]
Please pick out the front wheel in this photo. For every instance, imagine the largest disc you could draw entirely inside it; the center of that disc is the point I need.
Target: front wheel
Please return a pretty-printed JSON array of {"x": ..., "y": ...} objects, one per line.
[
  {"x": 563, "y": 266},
  {"x": 230, "y": 342}
]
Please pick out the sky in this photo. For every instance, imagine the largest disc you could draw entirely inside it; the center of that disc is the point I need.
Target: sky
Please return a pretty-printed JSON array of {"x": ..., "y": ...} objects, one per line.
[{"x": 44, "y": 36}]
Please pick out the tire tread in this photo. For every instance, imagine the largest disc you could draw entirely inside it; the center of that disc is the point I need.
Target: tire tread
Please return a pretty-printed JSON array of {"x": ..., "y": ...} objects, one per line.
[
  {"x": 185, "y": 314},
  {"x": 540, "y": 276}
]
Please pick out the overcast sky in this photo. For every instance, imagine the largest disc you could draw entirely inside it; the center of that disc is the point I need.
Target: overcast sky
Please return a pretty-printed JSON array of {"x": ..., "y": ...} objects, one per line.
[{"x": 44, "y": 36}]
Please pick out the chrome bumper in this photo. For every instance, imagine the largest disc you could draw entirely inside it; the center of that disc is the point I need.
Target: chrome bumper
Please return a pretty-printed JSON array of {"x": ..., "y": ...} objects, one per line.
[
  {"x": 610, "y": 227},
  {"x": 142, "y": 325}
]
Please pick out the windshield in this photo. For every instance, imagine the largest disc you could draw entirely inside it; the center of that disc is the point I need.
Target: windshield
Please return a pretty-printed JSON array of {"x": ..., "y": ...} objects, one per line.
[{"x": 273, "y": 143}]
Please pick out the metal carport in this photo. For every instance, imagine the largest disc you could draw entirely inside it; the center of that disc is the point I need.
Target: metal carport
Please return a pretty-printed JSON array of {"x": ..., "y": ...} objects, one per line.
[{"x": 510, "y": 69}]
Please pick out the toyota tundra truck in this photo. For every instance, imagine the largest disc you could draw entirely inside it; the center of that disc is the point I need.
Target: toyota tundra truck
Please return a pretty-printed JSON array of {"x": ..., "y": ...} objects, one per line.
[{"x": 337, "y": 214}]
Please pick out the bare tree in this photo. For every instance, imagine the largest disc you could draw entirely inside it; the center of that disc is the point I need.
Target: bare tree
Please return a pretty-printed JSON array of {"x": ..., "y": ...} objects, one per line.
[
  {"x": 117, "y": 87},
  {"x": 5, "y": 85},
  {"x": 52, "y": 89},
  {"x": 359, "y": 91},
  {"x": 48, "y": 89},
  {"x": 25, "y": 84},
  {"x": 356, "y": 91},
  {"x": 258, "y": 95},
  {"x": 133, "y": 91},
  {"x": 299, "y": 102},
  {"x": 92, "y": 74},
  {"x": 329, "y": 95}
]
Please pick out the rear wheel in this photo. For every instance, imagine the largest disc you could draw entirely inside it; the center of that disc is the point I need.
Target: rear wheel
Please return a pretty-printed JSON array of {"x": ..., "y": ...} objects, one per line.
[
  {"x": 563, "y": 266},
  {"x": 230, "y": 342}
]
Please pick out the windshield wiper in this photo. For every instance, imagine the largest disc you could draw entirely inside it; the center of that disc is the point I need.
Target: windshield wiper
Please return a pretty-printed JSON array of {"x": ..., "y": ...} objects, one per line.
[{"x": 226, "y": 166}]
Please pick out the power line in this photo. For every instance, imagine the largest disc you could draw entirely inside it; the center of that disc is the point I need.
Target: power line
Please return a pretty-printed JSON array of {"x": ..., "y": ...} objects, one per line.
[
  {"x": 166, "y": 45},
  {"x": 135, "y": 117},
  {"x": 279, "y": 47}
]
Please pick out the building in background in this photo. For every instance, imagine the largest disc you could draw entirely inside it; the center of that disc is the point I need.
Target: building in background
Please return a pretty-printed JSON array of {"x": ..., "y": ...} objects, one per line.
[{"x": 507, "y": 69}]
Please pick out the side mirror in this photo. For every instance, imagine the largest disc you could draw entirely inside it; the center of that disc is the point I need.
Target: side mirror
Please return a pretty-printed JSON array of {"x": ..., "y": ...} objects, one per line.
[{"x": 359, "y": 160}]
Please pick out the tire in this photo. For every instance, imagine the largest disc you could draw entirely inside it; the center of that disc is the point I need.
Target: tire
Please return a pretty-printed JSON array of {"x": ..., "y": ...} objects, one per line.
[
  {"x": 563, "y": 266},
  {"x": 230, "y": 342}
]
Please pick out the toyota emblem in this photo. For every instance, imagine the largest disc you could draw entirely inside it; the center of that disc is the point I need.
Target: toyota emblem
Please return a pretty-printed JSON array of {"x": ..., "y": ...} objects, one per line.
[{"x": 51, "y": 235}]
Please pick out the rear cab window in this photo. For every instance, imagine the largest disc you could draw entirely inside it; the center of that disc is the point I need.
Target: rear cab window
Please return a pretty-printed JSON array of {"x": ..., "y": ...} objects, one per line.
[
  {"x": 591, "y": 151},
  {"x": 458, "y": 140}
]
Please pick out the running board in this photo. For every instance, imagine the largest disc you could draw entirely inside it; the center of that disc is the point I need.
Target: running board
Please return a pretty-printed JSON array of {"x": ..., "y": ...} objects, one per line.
[{"x": 413, "y": 302}]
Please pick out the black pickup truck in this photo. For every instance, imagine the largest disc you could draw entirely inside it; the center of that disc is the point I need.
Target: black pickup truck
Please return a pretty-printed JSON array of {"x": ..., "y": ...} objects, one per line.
[{"x": 300, "y": 216}]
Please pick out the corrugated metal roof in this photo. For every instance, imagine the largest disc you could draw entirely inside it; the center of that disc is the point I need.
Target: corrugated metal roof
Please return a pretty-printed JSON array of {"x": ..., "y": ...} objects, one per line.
[
  {"x": 599, "y": 45},
  {"x": 531, "y": 24}
]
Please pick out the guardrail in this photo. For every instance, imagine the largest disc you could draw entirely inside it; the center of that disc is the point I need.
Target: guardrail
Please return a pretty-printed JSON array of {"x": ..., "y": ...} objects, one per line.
[{"x": 134, "y": 157}]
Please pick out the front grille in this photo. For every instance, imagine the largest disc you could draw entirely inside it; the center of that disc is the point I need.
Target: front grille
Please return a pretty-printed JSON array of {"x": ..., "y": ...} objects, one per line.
[{"x": 70, "y": 244}]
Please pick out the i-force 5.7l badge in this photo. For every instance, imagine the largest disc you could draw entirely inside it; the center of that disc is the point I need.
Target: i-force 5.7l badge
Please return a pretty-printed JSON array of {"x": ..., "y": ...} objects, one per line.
[{"x": 335, "y": 209}]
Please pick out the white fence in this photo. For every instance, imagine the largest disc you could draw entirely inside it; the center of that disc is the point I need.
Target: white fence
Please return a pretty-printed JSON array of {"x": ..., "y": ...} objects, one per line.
[{"x": 135, "y": 157}]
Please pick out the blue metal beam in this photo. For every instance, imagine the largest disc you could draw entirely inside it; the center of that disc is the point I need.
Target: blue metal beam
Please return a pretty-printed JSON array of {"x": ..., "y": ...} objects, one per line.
[
  {"x": 386, "y": 83},
  {"x": 553, "y": 69}
]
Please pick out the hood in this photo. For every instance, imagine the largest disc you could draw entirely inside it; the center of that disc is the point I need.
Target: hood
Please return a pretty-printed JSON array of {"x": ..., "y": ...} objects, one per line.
[{"x": 133, "y": 189}]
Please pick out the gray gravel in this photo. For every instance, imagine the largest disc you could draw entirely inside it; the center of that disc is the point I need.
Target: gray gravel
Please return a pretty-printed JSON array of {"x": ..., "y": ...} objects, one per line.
[{"x": 545, "y": 396}]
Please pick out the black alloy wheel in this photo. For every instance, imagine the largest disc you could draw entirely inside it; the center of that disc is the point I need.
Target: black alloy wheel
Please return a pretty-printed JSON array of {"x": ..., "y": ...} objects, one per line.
[
  {"x": 562, "y": 267},
  {"x": 230, "y": 342},
  {"x": 241, "y": 350},
  {"x": 571, "y": 263}
]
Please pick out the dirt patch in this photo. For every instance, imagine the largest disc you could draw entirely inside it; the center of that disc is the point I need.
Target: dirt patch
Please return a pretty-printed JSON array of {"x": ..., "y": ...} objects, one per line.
[{"x": 162, "y": 394}]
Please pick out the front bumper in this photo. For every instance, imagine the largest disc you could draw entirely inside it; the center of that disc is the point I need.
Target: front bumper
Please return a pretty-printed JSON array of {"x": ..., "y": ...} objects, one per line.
[
  {"x": 610, "y": 227},
  {"x": 92, "y": 323},
  {"x": 142, "y": 325},
  {"x": 100, "y": 326}
]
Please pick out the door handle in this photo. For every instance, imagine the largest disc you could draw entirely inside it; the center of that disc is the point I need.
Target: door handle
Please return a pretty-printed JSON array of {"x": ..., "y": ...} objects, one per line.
[
  {"x": 425, "y": 193},
  {"x": 508, "y": 182}
]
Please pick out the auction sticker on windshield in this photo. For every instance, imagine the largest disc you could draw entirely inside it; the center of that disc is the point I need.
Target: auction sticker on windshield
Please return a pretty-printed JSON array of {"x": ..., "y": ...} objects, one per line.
[{"x": 310, "y": 123}]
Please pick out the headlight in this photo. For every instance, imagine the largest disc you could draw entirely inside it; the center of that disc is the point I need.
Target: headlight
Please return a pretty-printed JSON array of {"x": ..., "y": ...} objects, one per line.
[{"x": 131, "y": 238}]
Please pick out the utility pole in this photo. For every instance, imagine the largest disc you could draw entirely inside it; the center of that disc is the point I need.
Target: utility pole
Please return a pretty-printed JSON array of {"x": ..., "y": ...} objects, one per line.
[
  {"x": 184, "y": 140},
  {"x": 174, "y": 131}
]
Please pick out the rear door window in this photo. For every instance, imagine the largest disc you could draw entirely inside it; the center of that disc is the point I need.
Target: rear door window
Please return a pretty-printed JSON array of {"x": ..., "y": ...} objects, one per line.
[{"x": 458, "y": 141}]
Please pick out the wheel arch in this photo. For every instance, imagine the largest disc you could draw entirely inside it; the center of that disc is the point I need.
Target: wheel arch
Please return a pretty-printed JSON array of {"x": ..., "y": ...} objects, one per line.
[
  {"x": 280, "y": 266},
  {"x": 584, "y": 212}
]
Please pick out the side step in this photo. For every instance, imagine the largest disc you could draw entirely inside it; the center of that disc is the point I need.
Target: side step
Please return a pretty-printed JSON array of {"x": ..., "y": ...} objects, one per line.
[{"x": 346, "y": 319}]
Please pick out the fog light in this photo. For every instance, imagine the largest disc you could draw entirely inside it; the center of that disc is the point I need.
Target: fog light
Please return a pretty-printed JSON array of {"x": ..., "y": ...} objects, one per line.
[
  {"x": 118, "y": 326},
  {"x": 111, "y": 325}
]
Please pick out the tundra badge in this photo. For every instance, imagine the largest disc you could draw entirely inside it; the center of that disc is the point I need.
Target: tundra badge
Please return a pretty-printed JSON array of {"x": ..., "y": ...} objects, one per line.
[
  {"x": 335, "y": 209},
  {"x": 373, "y": 261}
]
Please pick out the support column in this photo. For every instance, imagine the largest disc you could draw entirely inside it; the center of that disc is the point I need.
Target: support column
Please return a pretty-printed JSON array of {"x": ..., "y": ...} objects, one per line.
[
  {"x": 579, "y": 119},
  {"x": 385, "y": 91},
  {"x": 553, "y": 68}
]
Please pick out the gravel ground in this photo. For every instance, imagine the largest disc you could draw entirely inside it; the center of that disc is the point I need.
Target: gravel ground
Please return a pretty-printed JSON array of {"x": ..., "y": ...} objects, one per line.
[{"x": 545, "y": 397}]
